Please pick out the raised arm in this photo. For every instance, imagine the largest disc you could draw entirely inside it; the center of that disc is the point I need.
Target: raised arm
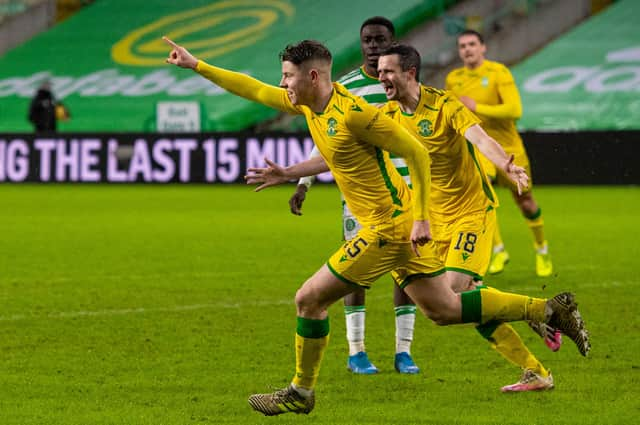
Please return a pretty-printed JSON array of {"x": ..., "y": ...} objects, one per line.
[
  {"x": 234, "y": 82},
  {"x": 494, "y": 153}
]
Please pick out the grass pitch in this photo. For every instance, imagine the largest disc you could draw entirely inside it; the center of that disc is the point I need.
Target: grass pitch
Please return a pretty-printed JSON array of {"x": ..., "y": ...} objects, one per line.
[{"x": 171, "y": 304}]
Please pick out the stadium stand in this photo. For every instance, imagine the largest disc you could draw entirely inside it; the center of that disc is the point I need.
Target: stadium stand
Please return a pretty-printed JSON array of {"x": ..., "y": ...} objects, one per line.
[
  {"x": 114, "y": 80},
  {"x": 122, "y": 74},
  {"x": 20, "y": 20}
]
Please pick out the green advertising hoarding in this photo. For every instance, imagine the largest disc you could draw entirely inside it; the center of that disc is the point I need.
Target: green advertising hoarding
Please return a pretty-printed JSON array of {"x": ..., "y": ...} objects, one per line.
[
  {"x": 588, "y": 79},
  {"x": 106, "y": 63}
]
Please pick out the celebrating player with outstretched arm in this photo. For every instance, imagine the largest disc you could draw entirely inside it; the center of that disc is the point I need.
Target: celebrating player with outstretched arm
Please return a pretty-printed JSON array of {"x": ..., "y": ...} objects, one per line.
[
  {"x": 376, "y": 34},
  {"x": 353, "y": 137}
]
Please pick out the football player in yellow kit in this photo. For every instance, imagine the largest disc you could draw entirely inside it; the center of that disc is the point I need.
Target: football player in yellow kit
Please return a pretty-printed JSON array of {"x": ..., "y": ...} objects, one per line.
[
  {"x": 376, "y": 34},
  {"x": 353, "y": 137},
  {"x": 487, "y": 88},
  {"x": 462, "y": 202}
]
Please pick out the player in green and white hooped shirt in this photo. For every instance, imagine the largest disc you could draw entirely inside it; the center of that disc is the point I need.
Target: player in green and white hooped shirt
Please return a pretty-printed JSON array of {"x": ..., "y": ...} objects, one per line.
[{"x": 376, "y": 34}]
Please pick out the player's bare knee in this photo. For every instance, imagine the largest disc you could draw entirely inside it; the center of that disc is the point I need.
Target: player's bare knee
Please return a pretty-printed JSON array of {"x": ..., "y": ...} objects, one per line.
[{"x": 305, "y": 302}]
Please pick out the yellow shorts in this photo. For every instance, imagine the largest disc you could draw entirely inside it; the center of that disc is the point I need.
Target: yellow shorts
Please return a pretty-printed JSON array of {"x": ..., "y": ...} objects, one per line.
[
  {"x": 426, "y": 265},
  {"x": 465, "y": 244},
  {"x": 520, "y": 158},
  {"x": 379, "y": 249}
]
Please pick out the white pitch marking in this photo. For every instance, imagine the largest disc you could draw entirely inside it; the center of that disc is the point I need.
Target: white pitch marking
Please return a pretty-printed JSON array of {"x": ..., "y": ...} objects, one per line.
[
  {"x": 144, "y": 310},
  {"x": 224, "y": 305}
]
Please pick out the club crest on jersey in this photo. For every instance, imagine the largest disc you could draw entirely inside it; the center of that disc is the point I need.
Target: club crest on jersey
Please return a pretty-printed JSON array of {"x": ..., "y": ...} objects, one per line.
[
  {"x": 331, "y": 127},
  {"x": 425, "y": 128},
  {"x": 350, "y": 224},
  {"x": 485, "y": 82}
]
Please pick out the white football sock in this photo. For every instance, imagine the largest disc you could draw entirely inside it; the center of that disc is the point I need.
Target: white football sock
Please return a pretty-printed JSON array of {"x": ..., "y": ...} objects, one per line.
[
  {"x": 405, "y": 322},
  {"x": 355, "y": 317}
]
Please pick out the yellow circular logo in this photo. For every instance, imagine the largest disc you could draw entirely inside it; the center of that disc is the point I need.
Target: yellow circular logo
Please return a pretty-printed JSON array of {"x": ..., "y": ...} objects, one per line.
[{"x": 206, "y": 32}]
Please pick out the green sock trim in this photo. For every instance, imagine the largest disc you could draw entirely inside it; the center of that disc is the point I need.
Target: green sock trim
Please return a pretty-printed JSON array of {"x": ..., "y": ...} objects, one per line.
[
  {"x": 312, "y": 328},
  {"x": 401, "y": 310},
  {"x": 535, "y": 215},
  {"x": 348, "y": 309},
  {"x": 487, "y": 329},
  {"x": 471, "y": 306}
]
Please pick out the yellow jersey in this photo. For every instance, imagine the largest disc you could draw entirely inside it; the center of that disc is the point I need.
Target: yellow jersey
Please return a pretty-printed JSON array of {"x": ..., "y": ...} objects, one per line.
[
  {"x": 497, "y": 98},
  {"x": 459, "y": 186},
  {"x": 352, "y": 137}
]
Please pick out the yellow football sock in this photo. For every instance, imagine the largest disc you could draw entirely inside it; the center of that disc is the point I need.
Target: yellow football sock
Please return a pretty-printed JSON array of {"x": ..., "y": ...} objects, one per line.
[
  {"x": 536, "y": 224},
  {"x": 506, "y": 341},
  {"x": 488, "y": 304},
  {"x": 312, "y": 338}
]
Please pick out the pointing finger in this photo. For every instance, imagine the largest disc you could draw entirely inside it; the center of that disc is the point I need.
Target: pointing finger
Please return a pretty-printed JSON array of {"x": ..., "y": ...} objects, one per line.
[{"x": 169, "y": 42}]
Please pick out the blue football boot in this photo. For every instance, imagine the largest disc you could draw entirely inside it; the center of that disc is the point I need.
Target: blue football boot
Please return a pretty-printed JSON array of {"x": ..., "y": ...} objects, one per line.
[
  {"x": 404, "y": 363},
  {"x": 360, "y": 363}
]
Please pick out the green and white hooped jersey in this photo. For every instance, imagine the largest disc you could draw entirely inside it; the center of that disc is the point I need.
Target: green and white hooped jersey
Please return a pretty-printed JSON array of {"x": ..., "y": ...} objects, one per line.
[
  {"x": 365, "y": 86},
  {"x": 370, "y": 89}
]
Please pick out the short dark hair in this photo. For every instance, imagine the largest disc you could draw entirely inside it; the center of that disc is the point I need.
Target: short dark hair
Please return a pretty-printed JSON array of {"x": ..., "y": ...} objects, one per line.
[
  {"x": 472, "y": 32},
  {"x": 409, "y": 57},
  {"x": 304, "y": 51},
  {"x": 379, "y": 20}
]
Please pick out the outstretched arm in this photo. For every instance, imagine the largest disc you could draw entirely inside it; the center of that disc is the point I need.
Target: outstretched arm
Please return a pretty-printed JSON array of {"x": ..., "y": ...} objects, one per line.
[
  {"x": 275, "y": 174},
  {"x": 494, "y": 153},
  {"x": 234, "y": 82}
]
